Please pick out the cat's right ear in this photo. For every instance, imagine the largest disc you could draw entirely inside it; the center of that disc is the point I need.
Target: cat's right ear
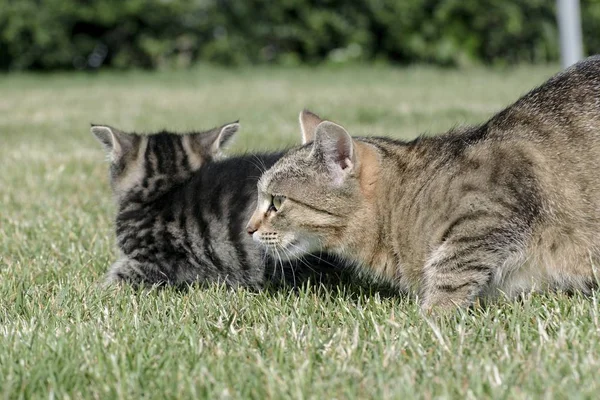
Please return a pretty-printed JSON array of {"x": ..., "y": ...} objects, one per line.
[
  {"x": 115, "y": 142},
  {"x": 308, "y": 125},
  {"x": 215, "y": 139},
  {"x": 335, "y": 147}
]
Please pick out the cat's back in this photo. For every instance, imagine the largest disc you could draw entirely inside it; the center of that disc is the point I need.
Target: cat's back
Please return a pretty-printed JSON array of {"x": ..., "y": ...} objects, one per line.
[
  {"x": 576, "y": 85},
  {"x": 564, "y": 110},
  {"x": 222, "y": 195},
  {"x": 197, "y": 229},
  {"x": 553, "y": 132},
  {"x": 232, "y": 178},
  {"x": 554, "y": 128}
]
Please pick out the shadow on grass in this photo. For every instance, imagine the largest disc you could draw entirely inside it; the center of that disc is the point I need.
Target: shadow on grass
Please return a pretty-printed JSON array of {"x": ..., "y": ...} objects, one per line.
[
  {"x": 342, "y": 279},
  {"x": 319, "y": 276}
]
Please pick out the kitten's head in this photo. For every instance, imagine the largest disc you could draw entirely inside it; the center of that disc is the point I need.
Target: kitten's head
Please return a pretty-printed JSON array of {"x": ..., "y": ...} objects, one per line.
[
  {"x": 309, "y": 197},
  {"x": 149, "y": 164}
]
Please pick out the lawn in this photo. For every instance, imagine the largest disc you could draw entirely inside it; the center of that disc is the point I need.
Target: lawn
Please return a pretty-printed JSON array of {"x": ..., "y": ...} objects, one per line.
[{"x": 62, "y": 336}]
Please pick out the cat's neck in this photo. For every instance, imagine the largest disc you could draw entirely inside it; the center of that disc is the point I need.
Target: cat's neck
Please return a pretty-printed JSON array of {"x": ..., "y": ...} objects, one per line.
[
  {"x": 157, "y": 190},
  {"x": 380, "y": 235},
  {"x": 364, "y": 241}
]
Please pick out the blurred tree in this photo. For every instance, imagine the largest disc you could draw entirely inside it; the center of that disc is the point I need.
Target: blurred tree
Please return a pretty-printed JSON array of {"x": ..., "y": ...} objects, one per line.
[{"x": 86, "y": 34}]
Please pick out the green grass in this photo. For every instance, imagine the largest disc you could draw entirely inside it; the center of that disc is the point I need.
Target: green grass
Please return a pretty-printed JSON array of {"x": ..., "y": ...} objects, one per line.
[{"x": 62, "y": 336}]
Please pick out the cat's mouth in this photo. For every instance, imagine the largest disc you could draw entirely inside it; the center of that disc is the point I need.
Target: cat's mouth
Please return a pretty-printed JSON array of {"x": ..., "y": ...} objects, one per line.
[{"x": 287, "y": 246}]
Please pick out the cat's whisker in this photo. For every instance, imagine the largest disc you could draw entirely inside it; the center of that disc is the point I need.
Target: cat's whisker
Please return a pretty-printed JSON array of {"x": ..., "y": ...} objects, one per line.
[
  {"x": 253, "y": 178},
  {"x": 280, "y": 261},
  {"x": 300, "y": 257},
  {"x": 320, "y": 256},
  {"x": 290, "y": 257},
  {"x": 258, "y": 163}
]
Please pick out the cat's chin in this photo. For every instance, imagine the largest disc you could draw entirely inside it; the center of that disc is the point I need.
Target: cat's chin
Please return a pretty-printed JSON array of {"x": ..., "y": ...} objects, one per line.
[{"x": 294, "y": 249}]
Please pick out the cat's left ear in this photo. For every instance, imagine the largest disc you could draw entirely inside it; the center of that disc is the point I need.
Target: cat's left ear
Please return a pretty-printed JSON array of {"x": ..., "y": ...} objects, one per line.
[
  {"x": 334, "y": 145},
  {"x": 115, "y": 142},
  {"x": 308, "y": 125},
  {"x": 215, "y": 139}
]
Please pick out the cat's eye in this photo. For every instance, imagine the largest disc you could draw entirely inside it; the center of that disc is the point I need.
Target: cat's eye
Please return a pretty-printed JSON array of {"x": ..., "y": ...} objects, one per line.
[{"x": 276, "y": 202}]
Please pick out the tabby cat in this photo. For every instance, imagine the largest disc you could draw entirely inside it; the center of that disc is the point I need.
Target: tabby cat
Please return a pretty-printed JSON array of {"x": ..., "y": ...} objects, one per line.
[
  {"x": 511, "y": 205},
  {"x": 181, "y": 213}
]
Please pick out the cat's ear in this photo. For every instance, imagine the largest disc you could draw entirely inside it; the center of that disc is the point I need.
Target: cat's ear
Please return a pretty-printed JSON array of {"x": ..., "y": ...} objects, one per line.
[
  {"x": 334, "y": 145},
  {"x": 115, "y": 142},
  {"x": 215, "y": 139},
  {"x": 308, "y": 125}
]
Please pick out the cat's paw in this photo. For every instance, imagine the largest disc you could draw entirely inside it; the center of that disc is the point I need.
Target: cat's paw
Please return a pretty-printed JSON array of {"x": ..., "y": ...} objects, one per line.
[
  {"x": 439, "y": 308},
  {"x": 439, "y": 303}
]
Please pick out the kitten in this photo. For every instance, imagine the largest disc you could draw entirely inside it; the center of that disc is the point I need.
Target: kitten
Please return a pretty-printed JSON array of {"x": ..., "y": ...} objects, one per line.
[
  {"x": 181, "y": 212},
  {"x": 511, "y": 205}
]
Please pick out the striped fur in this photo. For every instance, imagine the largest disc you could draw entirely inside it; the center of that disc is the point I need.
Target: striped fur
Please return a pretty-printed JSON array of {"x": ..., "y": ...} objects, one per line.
[
  {"x": 181, "y": 212},
  {"x": 511, "y": 205}
]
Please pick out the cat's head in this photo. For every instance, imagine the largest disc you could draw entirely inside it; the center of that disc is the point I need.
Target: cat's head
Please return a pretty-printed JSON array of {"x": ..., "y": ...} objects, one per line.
[
  {"x": 308, "y": 199},
  {"x": 151, "y": 163}
]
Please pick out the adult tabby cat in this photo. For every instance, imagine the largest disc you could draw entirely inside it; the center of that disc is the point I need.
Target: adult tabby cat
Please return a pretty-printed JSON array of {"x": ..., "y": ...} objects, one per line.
[
  {"x": 181, "y": 213},
  {"x": 512, "y": 204}
]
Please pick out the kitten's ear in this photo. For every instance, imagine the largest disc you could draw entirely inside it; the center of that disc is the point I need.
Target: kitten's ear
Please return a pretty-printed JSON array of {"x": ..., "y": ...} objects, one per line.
[
  {"x": 115, "y": 142},
  {"x": 308, "y": 125},
  {"x": 215, "y": 139},
  {"x": 334, "y": 145}
]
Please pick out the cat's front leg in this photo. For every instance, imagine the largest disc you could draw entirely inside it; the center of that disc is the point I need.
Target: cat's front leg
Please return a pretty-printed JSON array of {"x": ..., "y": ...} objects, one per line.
[
  {"x": 125, "y": 270},
  {"x": 459, "y": 270}
]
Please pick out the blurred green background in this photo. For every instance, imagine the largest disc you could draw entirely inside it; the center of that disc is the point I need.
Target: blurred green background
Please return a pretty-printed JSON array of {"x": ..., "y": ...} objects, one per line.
[{"x": 79, "y": 34}]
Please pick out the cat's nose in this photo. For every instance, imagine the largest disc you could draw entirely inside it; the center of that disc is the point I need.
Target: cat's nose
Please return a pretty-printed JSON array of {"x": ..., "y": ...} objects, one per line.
[
  {"x": 252, "y": 227},
  {"x": 253, "y": 224}
]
